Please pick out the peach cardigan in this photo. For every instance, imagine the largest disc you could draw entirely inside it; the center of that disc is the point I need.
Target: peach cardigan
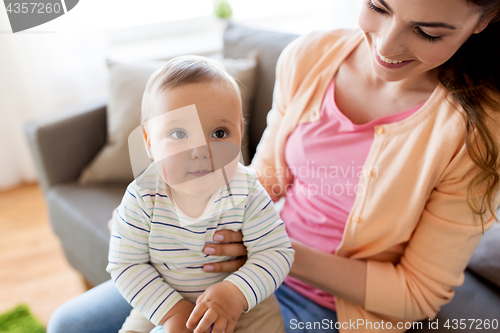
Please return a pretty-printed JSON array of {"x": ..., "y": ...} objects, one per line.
[{"x": 412, "y": 223}]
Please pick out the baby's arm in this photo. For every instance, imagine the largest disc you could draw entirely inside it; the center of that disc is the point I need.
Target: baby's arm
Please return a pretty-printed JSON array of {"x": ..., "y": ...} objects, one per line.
[
  {"x": 129, "y": 261},
  {"x": 270, "y": 256},
  {"x": 269, "y": 250}
]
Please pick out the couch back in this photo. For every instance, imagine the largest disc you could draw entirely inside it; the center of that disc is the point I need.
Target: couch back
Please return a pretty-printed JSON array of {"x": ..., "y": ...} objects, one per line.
[{"x": 241, "y": 40}]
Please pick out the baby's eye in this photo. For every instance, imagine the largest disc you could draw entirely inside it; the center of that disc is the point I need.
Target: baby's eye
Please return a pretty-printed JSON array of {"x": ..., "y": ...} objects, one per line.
[
  {"x": 178, "y": 134},
  {"x": 219, "y": 134}
]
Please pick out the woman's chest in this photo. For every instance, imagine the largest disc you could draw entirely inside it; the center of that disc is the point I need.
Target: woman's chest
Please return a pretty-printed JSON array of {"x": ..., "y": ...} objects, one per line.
[{"x": 362, "y": 101}]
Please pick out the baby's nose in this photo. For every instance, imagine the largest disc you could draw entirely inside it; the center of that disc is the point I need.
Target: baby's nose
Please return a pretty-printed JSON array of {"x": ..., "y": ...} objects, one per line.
[{"x": 200, "y": 152}]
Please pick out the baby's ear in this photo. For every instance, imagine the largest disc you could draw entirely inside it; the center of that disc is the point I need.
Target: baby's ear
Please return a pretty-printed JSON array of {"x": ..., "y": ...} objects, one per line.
[
  {"x": 243, "y": 126},
  {"x": 147, "y": 143}
]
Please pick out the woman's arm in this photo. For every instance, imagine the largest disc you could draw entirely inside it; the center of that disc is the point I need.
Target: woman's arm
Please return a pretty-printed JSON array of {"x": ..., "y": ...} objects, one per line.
[{"x": 342, "y": 277}]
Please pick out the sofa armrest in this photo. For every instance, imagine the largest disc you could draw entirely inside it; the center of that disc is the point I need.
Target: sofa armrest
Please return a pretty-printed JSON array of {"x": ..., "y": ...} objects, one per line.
[{"x": 63, "y": 143}]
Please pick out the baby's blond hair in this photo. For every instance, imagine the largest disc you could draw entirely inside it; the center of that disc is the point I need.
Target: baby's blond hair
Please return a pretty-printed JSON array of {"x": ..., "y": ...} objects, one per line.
[{"x": 180, "y": 71}]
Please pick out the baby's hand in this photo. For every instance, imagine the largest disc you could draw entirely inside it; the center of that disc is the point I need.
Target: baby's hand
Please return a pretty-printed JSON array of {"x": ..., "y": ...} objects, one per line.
[
  {"x": 221, "y": 304},
  {"x": 175, "y": 320}
]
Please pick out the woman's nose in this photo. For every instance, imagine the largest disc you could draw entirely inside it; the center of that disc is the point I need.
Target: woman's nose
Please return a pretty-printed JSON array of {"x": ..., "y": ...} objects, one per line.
[
  {"x": 390, "y": 41},
  {"x": 200, "y": 152}
]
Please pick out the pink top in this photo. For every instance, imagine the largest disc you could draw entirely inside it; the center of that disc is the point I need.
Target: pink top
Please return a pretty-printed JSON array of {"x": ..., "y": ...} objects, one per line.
[{"x": 326, "y": 158}]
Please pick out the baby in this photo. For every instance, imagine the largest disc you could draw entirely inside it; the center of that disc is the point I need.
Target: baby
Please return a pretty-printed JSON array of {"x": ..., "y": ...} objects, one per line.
[{"x": 192, "y": 126}]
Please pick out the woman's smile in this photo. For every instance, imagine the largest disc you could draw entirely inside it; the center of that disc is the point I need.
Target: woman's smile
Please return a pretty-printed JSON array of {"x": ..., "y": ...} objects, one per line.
[{"x": 390, "y": 63}]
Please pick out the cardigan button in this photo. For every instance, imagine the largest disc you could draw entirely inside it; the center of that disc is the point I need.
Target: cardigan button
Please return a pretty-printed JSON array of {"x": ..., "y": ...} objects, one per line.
[
  {"x": 368, "y": 173},
  {"x": 380, "y": 130},
  {"x": 356, "y": 219}
]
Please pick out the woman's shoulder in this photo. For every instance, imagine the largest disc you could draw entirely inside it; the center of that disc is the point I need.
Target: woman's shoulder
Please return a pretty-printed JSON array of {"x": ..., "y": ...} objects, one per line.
[
  {"x": 312, "y": 46},
  {"x": 321, "y": 40},
  {"x": 452, "y": 117}
]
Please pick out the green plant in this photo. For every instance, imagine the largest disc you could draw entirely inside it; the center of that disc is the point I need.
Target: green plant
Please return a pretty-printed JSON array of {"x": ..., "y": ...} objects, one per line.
[
  {"x": 20, "y": 320},
  {"x": 223, "y": 9}
]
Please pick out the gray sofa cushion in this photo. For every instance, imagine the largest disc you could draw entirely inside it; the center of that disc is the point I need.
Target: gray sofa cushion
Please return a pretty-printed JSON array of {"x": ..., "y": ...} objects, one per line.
[
  {"x": 486, "y": 259},
  {"x": 475, "y": 299},
  {"x": 240, "y": 41},
  {"x": 79, "y": 216}
]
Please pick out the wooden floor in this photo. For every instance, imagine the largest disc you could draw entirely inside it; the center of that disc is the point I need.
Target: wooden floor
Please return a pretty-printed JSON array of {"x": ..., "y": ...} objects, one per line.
[{"x": 33, "y": 268}]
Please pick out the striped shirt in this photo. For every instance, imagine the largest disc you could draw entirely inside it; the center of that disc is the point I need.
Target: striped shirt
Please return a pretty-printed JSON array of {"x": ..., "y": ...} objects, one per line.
[{"x": 155, "y": 260}]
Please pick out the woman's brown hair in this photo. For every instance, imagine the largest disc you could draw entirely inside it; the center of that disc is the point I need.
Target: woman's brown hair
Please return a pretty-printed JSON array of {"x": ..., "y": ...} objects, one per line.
[{"x": 472, "y": 76}]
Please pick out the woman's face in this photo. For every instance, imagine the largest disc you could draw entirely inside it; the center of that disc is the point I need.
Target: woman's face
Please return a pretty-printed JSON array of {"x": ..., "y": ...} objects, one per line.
[{"x": 408, "y": 38}]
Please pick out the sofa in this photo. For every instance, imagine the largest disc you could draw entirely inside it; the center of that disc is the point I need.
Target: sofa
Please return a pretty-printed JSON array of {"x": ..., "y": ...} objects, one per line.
[{"x": 64, "y": 143}]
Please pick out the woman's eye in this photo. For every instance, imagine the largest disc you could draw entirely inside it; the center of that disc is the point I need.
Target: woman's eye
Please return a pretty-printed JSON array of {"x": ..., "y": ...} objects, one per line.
[
  {"x": 178, "y": 134},
  {"x": 419, "y": 31},
  {"x": 426, "y": 36},
  {"x": 219, "y": 134},
  {"x": 371, "y": 6}
]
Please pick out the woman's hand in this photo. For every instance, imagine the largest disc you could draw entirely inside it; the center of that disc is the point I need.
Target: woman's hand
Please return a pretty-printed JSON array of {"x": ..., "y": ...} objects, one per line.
[{"x": 231, "y": 244}]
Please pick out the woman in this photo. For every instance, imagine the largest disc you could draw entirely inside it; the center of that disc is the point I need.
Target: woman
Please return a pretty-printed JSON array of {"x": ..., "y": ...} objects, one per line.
[
  {"x": 409, "y": 231},
  {"x": 383, "y": 142}
]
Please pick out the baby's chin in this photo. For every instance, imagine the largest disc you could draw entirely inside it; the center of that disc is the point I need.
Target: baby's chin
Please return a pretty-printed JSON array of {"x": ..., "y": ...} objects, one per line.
[{"x": 201, "y": 186}]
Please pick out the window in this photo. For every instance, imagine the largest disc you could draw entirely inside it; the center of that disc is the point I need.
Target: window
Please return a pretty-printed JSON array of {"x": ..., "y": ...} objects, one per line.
[
  {"x": 168, "y": 17},
  {"x": 120, "y": 13},
  {"x": 133, "y": 21}
]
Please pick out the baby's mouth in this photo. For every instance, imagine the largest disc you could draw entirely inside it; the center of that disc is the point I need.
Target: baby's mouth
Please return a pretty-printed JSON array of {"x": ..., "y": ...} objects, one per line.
[{"x": 200, "y": 173}]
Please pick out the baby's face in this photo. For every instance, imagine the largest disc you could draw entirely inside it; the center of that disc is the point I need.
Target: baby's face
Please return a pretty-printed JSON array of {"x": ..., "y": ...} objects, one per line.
[{"x": 197, "y": 133}]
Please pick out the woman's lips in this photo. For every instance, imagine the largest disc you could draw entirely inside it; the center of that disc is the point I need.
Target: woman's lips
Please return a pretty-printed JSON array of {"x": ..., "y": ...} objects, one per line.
[{"x": 389, "y": 65}]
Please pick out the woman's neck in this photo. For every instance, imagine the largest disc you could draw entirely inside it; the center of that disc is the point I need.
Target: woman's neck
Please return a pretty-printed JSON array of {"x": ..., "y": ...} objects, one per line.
[
  {"x": 362, "y": 96},
  {"x": 424, "y": 82}
]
